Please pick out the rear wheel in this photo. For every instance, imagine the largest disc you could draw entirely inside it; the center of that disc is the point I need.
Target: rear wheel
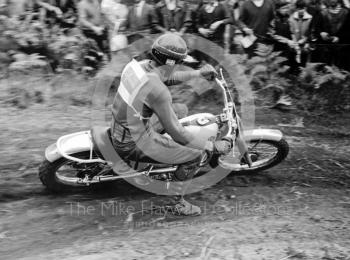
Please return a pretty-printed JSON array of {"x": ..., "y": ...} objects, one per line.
[
  {"x": 64, "y": 175},
  {"x": 263, "y": 153}
]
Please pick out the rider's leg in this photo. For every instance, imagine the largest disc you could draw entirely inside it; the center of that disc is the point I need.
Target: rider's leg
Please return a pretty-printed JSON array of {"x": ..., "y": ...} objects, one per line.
[
  {"x": 188, "y": 160},
  {"x": 165, "y": 150},
  {"x": 186, "y": 172}
]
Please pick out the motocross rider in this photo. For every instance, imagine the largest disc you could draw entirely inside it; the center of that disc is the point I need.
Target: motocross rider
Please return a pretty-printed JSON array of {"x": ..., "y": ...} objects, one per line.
[{"x": 142, "y": 112}]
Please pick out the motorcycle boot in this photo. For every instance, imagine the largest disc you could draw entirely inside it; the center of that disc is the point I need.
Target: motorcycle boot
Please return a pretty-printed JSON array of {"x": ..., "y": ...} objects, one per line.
[{"x": 185, "y": 208}]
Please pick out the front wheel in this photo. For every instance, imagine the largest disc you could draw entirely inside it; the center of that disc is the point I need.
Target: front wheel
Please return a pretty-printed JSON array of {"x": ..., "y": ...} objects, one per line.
[{"x": 263, "y": 153}]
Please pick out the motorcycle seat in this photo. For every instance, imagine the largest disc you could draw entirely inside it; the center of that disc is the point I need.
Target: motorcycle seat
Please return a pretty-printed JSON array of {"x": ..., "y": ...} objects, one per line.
[{"x": 102, "y": 141}]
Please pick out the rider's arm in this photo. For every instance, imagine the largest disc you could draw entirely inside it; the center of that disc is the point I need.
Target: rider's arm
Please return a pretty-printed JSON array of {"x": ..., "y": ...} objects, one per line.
[
  {"x": 172, "y": 126},
  {"x": 162, "y": 106},
  {"x": 178, "y": 77}
]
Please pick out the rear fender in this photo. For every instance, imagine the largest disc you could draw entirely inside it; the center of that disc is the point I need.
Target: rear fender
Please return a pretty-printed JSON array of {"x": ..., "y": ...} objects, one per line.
[{"x": 69, "y": 144}]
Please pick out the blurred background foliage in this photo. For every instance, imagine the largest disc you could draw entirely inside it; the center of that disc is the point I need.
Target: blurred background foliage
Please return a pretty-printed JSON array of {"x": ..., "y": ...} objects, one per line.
[
  {"x": 32, "y": 49},
  {"x": 316, "y": 88}
]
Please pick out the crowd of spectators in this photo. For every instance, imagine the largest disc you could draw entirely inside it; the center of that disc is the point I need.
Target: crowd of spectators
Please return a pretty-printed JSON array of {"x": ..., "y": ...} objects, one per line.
[{"x": 302, "y": 30}]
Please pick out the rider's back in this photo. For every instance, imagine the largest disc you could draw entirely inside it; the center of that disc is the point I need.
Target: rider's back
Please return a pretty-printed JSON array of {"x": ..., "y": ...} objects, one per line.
[{"x": 135, "y": 112}]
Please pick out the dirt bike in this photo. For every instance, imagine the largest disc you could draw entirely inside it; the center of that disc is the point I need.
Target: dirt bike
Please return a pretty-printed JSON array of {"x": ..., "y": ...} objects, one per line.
[{"x": 75, "y": 161}]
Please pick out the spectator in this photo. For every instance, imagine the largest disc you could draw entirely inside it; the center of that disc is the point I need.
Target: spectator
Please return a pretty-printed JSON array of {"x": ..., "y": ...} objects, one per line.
[
  {"x": 67, "y": 5},
  {"x": 4, "y": 7},
  {"x": 282, "y": 34},
  {"x": 315, "y": 7},
  {"x": 300, "y": 26},
  {"x": 116, "y": 15},
  {"x": 31, "y": 10},
  {"x": 174, "y": 15},
  {"x": 346, "y": 4},
  {"x": 69, "y": 13},
  {"x": 193, "y": 9},
  {"x": 51, "y": 12},
  {"x": 90, "y": 20},
  {"x": 212, "y": 19},
  {"x": 233, "y": 46},
  {"x": 281, "y": 27},
  {"x": 344, "y": 41},
  {"x": 59, "y": 6},
  {"x": 256, "y": 17},
  {"x": 142, "y": 20},
  {"x": 333, "y": 18},
  {"x": 48, "y": 11}
]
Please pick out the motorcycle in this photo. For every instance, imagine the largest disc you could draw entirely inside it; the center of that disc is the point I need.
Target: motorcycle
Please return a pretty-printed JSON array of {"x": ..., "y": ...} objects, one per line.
[{"x": 75, "y": 161}]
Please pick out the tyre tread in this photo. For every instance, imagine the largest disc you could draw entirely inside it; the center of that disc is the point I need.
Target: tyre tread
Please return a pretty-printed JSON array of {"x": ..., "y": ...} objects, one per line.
[{"x": 48, "y": 178}]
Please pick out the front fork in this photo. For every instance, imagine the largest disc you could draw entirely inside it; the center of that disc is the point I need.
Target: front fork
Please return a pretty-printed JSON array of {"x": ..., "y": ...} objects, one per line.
[
  {"x": 243, "y": 149},
  {"x": 236, "y": 133}
]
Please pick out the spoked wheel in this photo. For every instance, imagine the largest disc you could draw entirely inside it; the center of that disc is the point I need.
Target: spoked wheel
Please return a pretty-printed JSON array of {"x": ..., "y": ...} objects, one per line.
[
  {"x": 66, "y": 175},
  {"x": 263, "y": 153}
]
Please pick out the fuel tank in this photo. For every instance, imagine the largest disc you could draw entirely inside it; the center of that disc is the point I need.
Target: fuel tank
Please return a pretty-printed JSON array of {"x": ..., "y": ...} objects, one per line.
[{"x": 203, "y": 126}]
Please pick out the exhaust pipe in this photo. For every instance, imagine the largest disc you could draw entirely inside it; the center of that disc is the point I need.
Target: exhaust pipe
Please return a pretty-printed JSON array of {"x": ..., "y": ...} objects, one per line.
[{"x": 98, "y": 179}]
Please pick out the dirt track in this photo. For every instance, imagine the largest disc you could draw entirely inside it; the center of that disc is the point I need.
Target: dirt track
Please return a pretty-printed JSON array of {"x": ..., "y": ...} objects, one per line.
[{"x": 298, "y": 210}]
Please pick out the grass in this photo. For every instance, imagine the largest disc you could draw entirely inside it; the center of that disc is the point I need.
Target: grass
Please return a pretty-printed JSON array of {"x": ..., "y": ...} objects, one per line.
[{"x": 67, "y": 88}]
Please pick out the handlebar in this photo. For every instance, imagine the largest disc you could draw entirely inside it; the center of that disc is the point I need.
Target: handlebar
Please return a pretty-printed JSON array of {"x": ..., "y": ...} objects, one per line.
[{"x": 228, "y": 98}]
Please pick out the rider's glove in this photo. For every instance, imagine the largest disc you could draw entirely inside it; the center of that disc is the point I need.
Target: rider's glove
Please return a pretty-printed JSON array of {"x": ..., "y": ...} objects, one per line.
[
  {"x": 208, "y": 71},
  {"x": 223, "y": 146}
]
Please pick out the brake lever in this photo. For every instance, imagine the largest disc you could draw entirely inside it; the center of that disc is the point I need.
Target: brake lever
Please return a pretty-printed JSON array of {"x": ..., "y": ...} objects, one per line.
[{"x": 221, "y": 79}]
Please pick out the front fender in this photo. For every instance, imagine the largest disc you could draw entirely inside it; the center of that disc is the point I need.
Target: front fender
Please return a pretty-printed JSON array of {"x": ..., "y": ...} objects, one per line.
[
  {"x": 262, "y": 134},
  {"x": 70, "y": 144}
]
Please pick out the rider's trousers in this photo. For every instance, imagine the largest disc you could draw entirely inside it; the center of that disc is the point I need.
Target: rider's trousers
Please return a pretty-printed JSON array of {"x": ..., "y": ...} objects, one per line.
[
  {"x": 158, "y": 149},
  {"x": 153, "y": 146}
]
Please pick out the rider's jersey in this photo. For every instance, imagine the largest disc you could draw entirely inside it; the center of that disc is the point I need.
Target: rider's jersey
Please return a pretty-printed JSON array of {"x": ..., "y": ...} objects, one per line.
[{"x": 141, "y": 94}]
